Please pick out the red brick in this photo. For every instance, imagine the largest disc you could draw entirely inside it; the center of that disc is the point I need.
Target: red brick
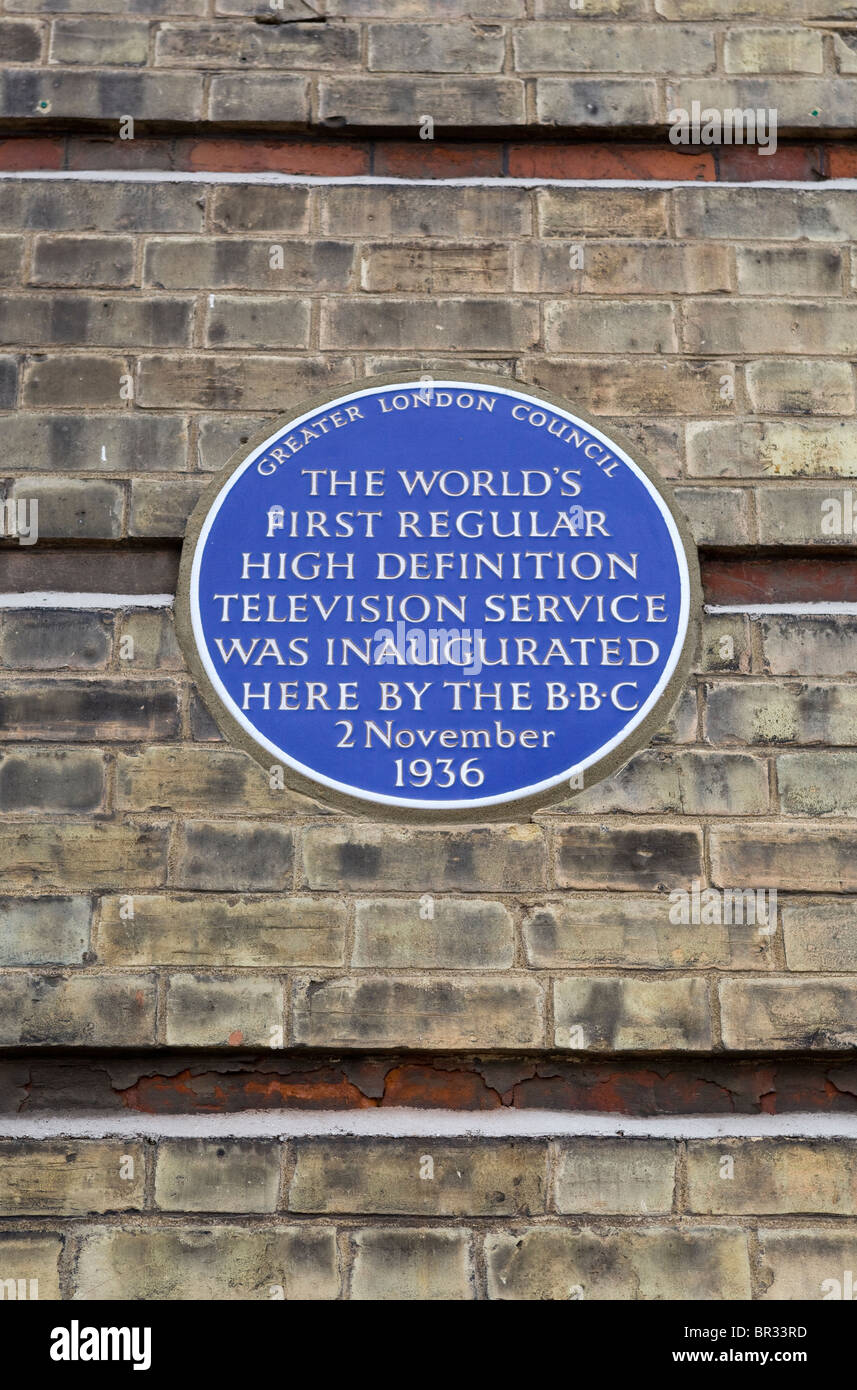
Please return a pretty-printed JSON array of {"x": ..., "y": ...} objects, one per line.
[
  {"x": 279, "y": 156},
  {"x": 842, "y": 161},
  {"x": 597, "y": 161},
  {"x": 35, "y": 153},
  {"x": 109, "y": 152},
  {"x": 425, "y": 159},
  {"x": 780, "y": 580},
  {"x": 742, "y": 164}
]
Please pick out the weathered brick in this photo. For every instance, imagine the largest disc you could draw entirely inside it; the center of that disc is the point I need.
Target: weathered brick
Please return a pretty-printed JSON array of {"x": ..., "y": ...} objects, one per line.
[
  {"x": 783, "y": 856},
  {"x": 70, "y": 1177},
  {"x": 694, "y": 1263},
  {"x": 202, "y": 726},
  {"x": 725, "y": 643},
  {"x": 25, "y": 1257},
  {"x": 790, "y": 1014},
  {"x": 733, "y": 9},
  {"x": 231, "y": 263},
  {"x": 183, "y": 778},
  {"x": 619, "y": 930},
  {"x": 687, "y": 783},
  {"x": 223, "y": 382},
  {"x": 31, "y": 639},
  {"x": 786, "y": 214},
  {"x": 148, "y": 641},
  {"x": 806, "y": 645},
  {"x": 403, "y": 101},
  {"x": 117, "y": 443},
  {"x": 20, "y": 42},
  {"x": 611, "y": 267},
  {"x": 630, "y": 1177},
  {"x": 800, "y": 387},
  {"x": 612, "y": 386},
  {"x": 106, "y": 709},
  {"x": 596, "y": 102},
  {"x": 218, "y": 439},
  {"x": 774, "y": 449},
  {"x": 607, "y": 325},
  {"x": 87, "y": 261},
  {"x": 771, "y": 1178},
  {"x": 259, "y": 46},
  {"x": 844, "y": 49},
  {"x": 233, "y": 320},
  {"x": 99, "y": 42},
  {"x": 120, "y": 7},
  {"x": 214, "y": 1262},
  {"x": 265, "y": 99},
  {"x": 161, "y": 506},
  {"x": 97, "y": 321},
  {"x": 78, "y": 380},
  {"x": 392, "y": 1178},
  {"x": 238, "y": 208},
  {"x": 11, "y": 259},
  {"x": 233, "y": 855},
  {"x": 820, "y": 934},
  {"x": 681, "y": 727},
  {"x": 83, "y": 856},
  {"x": 642, "y": 48},
  {"x": 204, "y": 1011},
  {"x": 416, "y": 9},
  {"x": 503, "y": 859},
  {"x": 803, "y": 104},
  {"x": 803, "y": 516},
  {"x": 778, "y": 712},
  {"x": 287, "y": 10},
  {"x": 625, "y": 1014},
  {"x": 212, "y": 930},
  {"x": 44, "y": 931},
  {"x": 52, "y": 780},
  {"x": 378, "y": 1011},
  {"x": 442, "y": 323},
  {"x": 718, "y": 326},
  {"x": 72, "y": 506},
  {"x": 806, "y": 1264},
  {"x": 8, "y": 381},
  {"x": 794, "y": 270},
  {"x": 407, "y": 1265},
  {"x": 773, "y": 50},
  {"x": 78, "y": 1010},
  {"x": 427, "y": 932},
  {"x": 619, "y": 212},
  {"x": 51, "y": 205},
  {"x": 226, "y": 1175},
  {"x": 414, "y": 48},
  {"x": 717, "y": 516},
  {"x": 601, "y": 9},
  {"x": 818, "y": 783},
  {"x": 459, "y": 213},
  {"x": 627, "y": 857},
  {"x": 435, "y": 269},
  {"x": 149, "y": 95},
  {"x": 425, "y": 363}
]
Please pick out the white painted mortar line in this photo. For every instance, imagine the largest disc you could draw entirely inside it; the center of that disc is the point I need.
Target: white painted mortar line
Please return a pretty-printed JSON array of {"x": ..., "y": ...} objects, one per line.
[
  {"x": 332, "y": 180},
  {"x": 45, "y": 598},
  {"x": 758, "y": 610},
  {"x": 405, "y": 1123}
]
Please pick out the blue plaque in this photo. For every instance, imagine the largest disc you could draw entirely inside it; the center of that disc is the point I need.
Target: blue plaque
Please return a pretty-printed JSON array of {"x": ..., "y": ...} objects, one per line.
[{"x": 440, "y": 596}]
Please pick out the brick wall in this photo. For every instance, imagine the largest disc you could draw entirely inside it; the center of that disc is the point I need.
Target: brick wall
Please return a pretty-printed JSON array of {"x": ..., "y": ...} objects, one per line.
[
  {"x": 467, "y": 63},
  {"x": 178, "y": 937}
]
